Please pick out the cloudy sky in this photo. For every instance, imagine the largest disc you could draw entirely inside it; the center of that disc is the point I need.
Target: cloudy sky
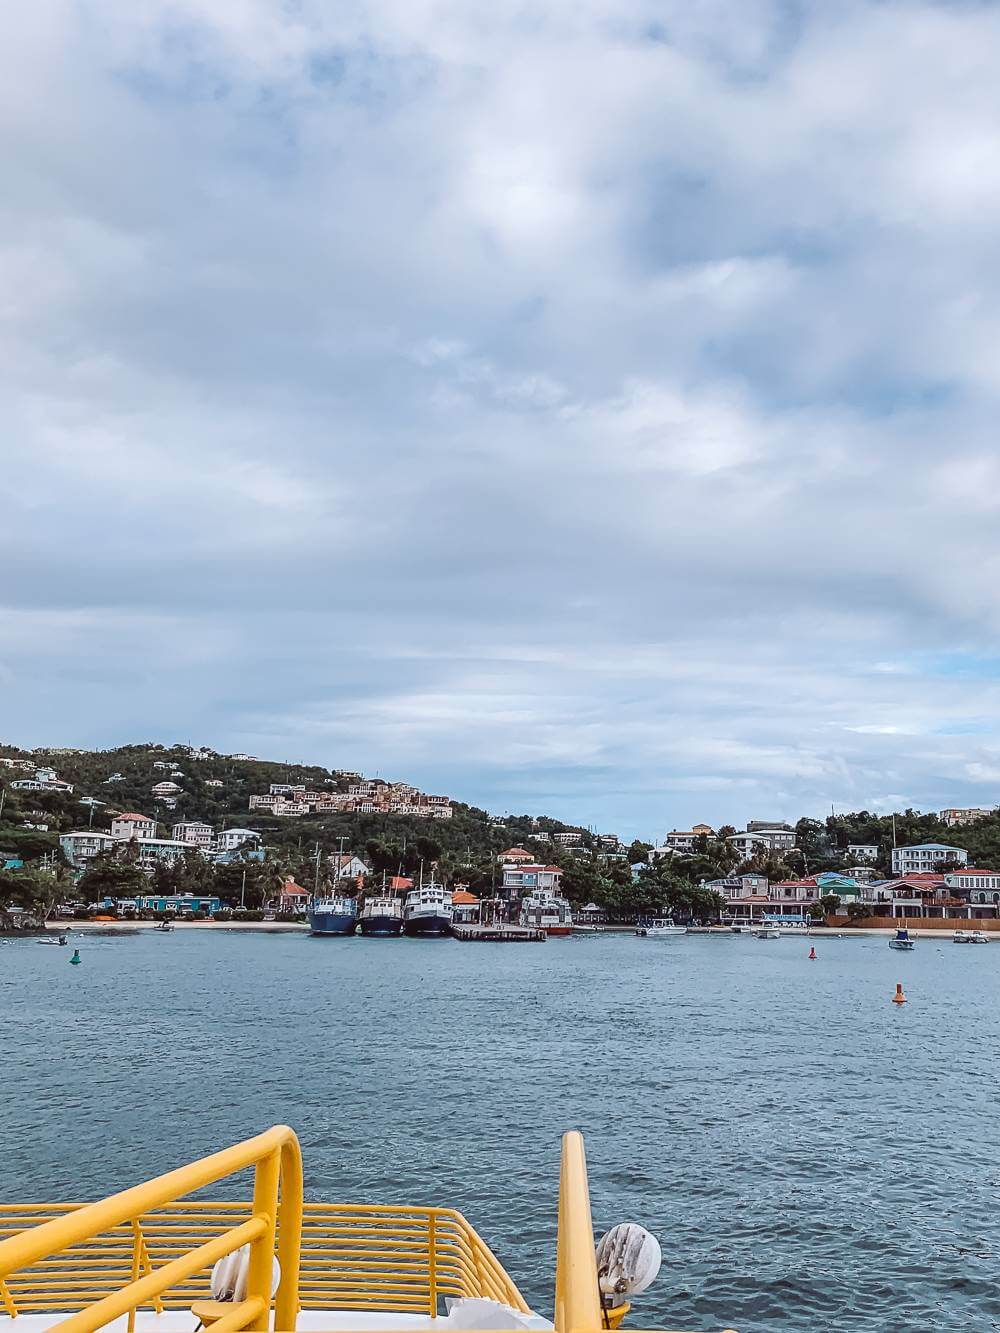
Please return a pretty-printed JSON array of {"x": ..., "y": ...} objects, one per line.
[{"x": 586, "y": 407}]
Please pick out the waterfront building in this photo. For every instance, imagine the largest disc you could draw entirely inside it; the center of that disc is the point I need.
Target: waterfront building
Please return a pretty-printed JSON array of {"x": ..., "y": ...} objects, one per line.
[
  {"x": 194, "y": 832},
  {"x": 926, "y": 895},
  {"x": 591, "y": 915},
  {"x": 291, "y": 897},
  {"x": 979, "y": 888},
  {"x": 521, "y": 880},
  {"x": 128, "y": 826},
  {"x": 180, "y": 904},
  {"x": 924, "y": 856},
  {"x": 465, "y": 908}
]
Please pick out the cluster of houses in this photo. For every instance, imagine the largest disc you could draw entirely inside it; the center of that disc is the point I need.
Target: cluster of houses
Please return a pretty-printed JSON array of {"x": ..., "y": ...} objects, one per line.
[
  {"x": 42, "y": 779},
  {"x": 365, "y": 797},
  {"x": 220, "y": 847},
  {"x": 928, "y": 880}
]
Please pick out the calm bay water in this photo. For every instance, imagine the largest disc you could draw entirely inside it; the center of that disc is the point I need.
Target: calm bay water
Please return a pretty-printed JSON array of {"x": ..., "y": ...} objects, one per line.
[{"x": 810, "y": 1156}]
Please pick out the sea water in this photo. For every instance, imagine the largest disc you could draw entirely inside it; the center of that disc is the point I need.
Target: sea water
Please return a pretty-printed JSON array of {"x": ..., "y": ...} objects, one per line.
[{"x": 811, "y": 1156}]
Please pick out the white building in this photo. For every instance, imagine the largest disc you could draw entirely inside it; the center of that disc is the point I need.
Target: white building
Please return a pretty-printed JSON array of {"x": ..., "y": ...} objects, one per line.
[
  {"x": 348, "y": 867},
  {"x": 567, "y": 839},
  {"x": 153, "y": 851},
  {"x": 214, "y": 782},
  {"x": 124, "y": 827},
  {"x": 194, "y": 833},
  {"x": 862, "y": 851},
  {"x": 79, "y": 848},
  {"x": 162, "y": 789},
  {"x": 925, "y": 856},
  {"x": 42, "y": 784},
  {"x": 231, "y": 838}
]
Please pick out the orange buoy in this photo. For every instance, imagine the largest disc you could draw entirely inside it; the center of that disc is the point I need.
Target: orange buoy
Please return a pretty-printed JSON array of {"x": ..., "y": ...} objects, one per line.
[
  {"x": 812, "y": 953},
  {"x": 899, "y": 997}
]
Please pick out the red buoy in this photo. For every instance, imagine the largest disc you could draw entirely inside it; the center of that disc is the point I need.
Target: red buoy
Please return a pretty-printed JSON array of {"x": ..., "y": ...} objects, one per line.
[{"x": 812, "y": 953}]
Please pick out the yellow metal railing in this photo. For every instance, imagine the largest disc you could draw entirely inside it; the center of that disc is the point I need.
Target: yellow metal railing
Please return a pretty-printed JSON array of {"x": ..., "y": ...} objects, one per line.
[
  {"x": 97, "y": 1258},
  {"x": 147, "y": 1248},
  {"x": 579, "y": 1307}
]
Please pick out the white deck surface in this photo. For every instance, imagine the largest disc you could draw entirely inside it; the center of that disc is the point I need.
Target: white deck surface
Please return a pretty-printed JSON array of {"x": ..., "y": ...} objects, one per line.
[{"x": 309, "y": 1321}]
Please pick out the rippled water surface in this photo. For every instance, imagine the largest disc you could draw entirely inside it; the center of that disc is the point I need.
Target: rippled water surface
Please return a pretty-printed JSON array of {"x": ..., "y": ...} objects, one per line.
[{"x": 811, "y": 1156}]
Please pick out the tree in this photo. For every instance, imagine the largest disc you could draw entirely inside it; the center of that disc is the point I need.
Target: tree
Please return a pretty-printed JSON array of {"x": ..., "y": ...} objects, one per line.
[
  {"x": 638, "y": 852},
  {"x": 114, "y": 874}
]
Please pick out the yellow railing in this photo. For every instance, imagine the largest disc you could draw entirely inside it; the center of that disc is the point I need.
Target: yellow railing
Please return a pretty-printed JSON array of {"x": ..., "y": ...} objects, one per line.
[
  {"x": 579, "y": 1307},
  {"x": 97, "y": 1257},
  {"x": 145, "y": 1249}
]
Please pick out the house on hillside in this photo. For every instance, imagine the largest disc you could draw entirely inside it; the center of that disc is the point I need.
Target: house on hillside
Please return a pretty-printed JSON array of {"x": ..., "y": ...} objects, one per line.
[
  {"x": 126, "y": 826},
  {"x": 194, "y": 832},
  {"x": 347, "y": 866},
  {"x": 922, "y": 857}
]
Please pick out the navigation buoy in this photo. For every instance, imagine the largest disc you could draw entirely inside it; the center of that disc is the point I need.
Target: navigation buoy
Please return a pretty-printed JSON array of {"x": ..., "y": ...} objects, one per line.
[
  {"x": 76, "y": 957},
  {"x": 899, "y": 997},
  {"x": 812, "y": 953}
]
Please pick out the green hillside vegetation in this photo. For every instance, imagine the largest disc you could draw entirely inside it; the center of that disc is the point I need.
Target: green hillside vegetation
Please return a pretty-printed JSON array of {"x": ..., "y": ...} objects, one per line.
[{"x": 464, "y": 848}]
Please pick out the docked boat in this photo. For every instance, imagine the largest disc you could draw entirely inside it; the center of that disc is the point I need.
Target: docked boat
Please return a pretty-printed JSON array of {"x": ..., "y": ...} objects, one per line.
[
  {"x": 902, "y": 939},
  {"x": 545, "y": 910},
  {"x": 427, "y": 910},
  {"x": 659, "y": 928},
  {"x": 766, "y": 932},
  {"x": 335, "y": 915},
  {"x": 969, "y": 937},
  {"x": 381, "y": 915},
  {"x": 151, "y": 1259}
]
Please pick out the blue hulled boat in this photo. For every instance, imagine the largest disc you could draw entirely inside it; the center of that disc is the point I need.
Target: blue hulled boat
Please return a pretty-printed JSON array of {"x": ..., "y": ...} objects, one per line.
[
  {"x": 333, "y": 916},
  {"x": 382, "y": 915}
]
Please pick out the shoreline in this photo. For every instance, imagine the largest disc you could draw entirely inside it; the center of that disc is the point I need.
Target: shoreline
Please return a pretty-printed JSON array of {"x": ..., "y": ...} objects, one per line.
[{"x": 284, "y": 927}]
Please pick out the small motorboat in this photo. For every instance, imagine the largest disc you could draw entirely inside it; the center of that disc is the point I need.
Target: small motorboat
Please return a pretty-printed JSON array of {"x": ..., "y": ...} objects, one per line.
[
  {"x": 767, "y": 933},
  {"x": 164, "y": 926},
  {"x": 659, "y": 928},
  {"x": 969, "y": 937},
  {"x": 902, "y": 939}
]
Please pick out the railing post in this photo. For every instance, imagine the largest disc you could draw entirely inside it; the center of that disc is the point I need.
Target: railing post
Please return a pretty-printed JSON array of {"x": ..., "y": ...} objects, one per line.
[
  {"x": 265, "y": 1204},
  {"x": 578, "y": 1297},
  {"x": 286, "y": 1303},
  {"x": 432, "y": 1266}
]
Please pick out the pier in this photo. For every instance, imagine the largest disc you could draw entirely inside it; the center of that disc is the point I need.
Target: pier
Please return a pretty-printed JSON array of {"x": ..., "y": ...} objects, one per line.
[{"x": 501, "y": 932}]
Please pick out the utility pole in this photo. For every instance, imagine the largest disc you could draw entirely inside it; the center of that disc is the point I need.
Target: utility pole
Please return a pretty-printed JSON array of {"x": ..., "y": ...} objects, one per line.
[{"x": 243, "y": 888}]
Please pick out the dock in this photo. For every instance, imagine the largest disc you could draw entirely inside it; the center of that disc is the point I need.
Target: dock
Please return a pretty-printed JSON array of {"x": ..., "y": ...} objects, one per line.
[{"x": 500, "y": 933}]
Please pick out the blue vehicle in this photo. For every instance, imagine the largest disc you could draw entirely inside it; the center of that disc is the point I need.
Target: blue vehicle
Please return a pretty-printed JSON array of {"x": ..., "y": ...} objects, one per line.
[{"x": 333, "y": 916}]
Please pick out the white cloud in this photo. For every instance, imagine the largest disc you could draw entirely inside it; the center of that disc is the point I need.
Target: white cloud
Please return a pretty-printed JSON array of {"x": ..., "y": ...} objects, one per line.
[{"x": 592, "y": 405}]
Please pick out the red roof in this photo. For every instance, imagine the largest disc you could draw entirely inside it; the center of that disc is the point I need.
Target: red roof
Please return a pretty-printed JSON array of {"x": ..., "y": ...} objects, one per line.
[
  {"x": 148, "y": 818},
  {"x": 463, "y": 899},
  {"x": 400, "y": 882},
  {"x": 292, "y": 890}
]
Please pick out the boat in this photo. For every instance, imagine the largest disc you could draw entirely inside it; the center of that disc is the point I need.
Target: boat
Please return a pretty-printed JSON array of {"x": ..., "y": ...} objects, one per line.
[
  {"x": 969, "y": 937},
  {"x": 427, "y": 910},
  {"x": 902, "y": 939},
  {"x": 149, "y": 1258},
  {"x": 381, "y": 915},
  {"x": 163, "y": 927},
  {"x": 587, "y": 928},
  {"x": 766, "y": 932},
  {"x": 659, "y": 928},
  {"x": 545, "y": 910},
  {"x": 334, "y": 915}
]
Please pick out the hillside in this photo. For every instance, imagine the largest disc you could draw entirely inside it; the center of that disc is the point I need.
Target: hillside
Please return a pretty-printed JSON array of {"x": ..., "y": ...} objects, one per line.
[{"x": 217, "y": 789}]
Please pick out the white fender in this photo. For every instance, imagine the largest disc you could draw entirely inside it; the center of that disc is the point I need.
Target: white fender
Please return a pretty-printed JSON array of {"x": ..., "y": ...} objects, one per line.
[
  {"x": 628, "y": 1259},
  {"x": 229, "y": 1276}
]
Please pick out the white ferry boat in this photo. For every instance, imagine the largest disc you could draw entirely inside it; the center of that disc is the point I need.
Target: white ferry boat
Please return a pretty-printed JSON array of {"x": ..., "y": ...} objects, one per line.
[
  {"x": 545, "y": 910},
  {"x": 427, "y": 910},
  {"x": 151, "y": 1259}
]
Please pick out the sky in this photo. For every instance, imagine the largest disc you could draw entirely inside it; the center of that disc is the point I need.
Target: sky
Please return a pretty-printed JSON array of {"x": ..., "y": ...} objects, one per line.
[{"x": 584, "y": 408}]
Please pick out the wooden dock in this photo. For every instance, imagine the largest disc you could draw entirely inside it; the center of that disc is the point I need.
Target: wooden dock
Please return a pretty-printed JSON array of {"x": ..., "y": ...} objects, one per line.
[{"x": 501, "y": 933}]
